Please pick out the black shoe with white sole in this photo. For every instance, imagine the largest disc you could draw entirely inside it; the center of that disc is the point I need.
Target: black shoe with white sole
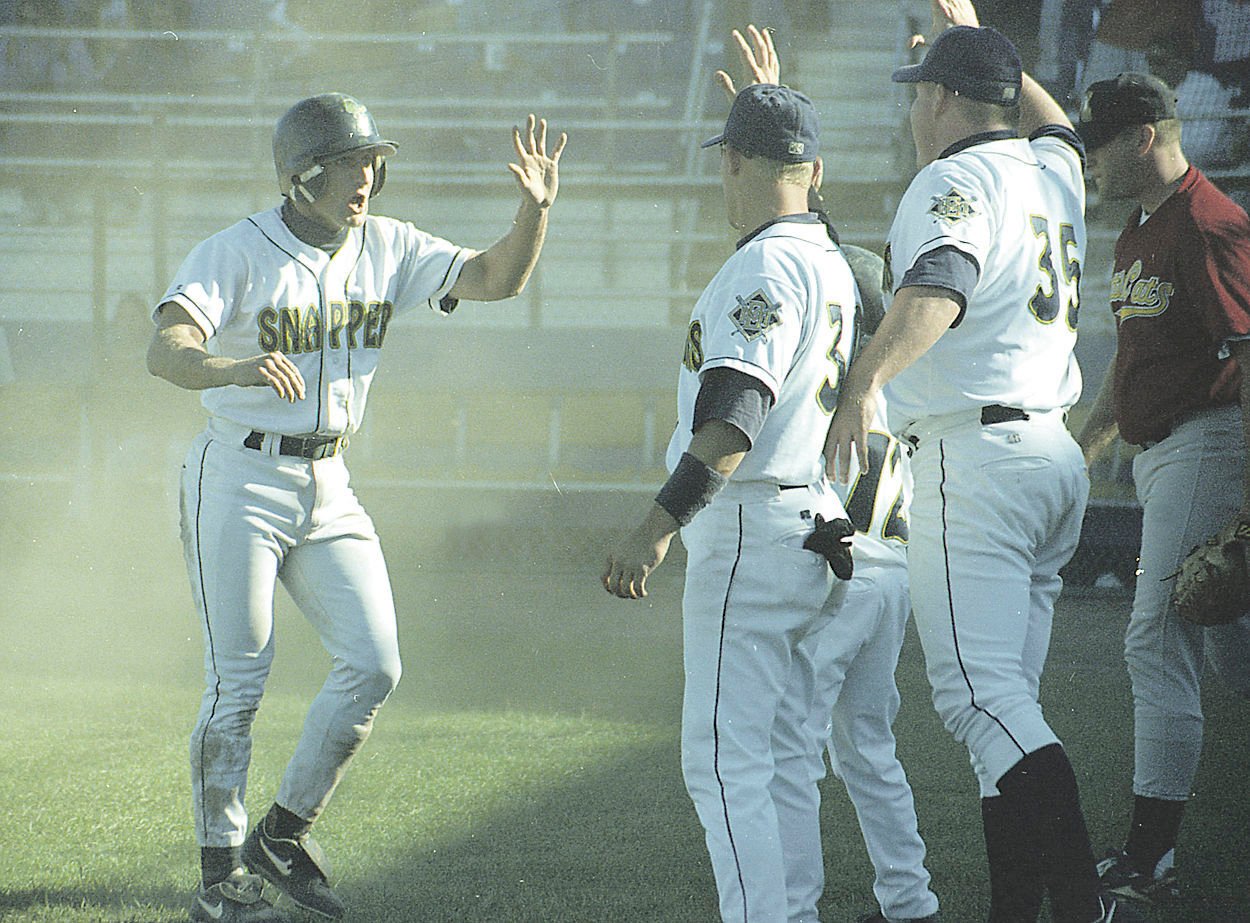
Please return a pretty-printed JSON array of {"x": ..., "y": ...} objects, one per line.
[
  {"x": 295, "y": 867},
  {"x": 238, "y": 899}
]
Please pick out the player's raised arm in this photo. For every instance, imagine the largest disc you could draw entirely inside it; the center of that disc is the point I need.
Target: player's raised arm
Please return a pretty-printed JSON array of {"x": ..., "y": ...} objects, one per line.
[
  {"x": 503, "y": 269},
  {"x": 177, "y": 354}
]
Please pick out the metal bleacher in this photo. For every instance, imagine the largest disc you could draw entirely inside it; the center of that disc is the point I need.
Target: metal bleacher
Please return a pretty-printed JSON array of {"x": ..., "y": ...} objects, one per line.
[{"x": 105, "y": 185}]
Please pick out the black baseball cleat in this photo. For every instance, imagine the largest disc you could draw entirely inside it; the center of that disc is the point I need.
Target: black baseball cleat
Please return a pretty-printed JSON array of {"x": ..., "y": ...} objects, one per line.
[
  {"x": 879, "y": 917},
  {"x": 1118, "y": 876},
  {"x": 295, "y": 867},
  {"x": 1118, "y": 910},
  {"x": 238, "y": 899}
]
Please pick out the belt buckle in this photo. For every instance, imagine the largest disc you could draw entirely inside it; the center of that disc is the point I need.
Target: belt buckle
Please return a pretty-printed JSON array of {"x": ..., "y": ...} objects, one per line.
[{"x": 326, "y": 449}]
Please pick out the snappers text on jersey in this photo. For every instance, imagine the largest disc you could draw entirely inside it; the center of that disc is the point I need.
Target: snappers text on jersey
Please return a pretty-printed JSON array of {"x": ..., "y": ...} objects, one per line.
[{"x": 296, "y": 330}]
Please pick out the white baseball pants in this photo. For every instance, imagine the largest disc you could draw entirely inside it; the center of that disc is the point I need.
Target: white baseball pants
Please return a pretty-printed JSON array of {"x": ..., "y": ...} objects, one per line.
[
  {"x": 248, "y": 520},
  {"x": 752, "y": 596},
  {"x": 1189, "y": 486},
  {"x": 997, "y": 511},
  {"x": 856, "y": 701}
]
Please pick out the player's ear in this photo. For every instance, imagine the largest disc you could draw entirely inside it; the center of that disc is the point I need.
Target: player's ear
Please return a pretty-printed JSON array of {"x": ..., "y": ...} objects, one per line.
[
  {"x": 1147, "y": 135},
  {"x": 818, "y": 173}
]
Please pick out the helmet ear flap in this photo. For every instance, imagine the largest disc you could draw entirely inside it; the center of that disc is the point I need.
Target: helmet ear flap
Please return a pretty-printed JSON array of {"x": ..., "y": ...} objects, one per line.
[{"x": 309, "y": 184}]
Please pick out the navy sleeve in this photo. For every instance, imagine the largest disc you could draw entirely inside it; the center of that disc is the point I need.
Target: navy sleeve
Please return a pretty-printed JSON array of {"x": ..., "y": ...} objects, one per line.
[
  {"x": 735, "y": 397},
  {"x": 949, "y": 268},
  {"x": 1063, "y": 133}
]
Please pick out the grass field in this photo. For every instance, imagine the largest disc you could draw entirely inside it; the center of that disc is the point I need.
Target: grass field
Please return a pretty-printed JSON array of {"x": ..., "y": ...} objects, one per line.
[{"x": 525, "y": 770}]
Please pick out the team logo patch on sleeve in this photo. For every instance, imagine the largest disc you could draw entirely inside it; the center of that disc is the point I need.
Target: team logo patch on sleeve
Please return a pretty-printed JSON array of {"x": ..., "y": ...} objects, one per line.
[
  {"x": 756, "y": 315},
  {"x": 953, "y": 207}
]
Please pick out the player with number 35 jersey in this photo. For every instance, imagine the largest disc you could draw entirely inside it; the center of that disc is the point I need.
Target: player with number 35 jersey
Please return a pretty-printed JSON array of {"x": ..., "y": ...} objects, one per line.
[
  {"x": 974, "y": 359},
  {"x": 1013, "y": 342}
]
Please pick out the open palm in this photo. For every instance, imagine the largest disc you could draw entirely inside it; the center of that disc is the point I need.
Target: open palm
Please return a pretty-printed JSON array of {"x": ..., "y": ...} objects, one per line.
[{"x": 537, "y": 171}]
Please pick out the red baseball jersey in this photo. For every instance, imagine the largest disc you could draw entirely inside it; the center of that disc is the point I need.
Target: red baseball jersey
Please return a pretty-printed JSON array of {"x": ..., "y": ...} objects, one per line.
[{"x": 1179, "y": 290}]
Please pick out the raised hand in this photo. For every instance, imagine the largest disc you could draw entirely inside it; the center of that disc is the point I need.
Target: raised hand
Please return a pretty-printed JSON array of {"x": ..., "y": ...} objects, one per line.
[
  {"x": 954, "y": 13},
  {"x": 759, "y": 62},
  {"x": 947, "y": 13},
  {"x": 537, "y": 172}
]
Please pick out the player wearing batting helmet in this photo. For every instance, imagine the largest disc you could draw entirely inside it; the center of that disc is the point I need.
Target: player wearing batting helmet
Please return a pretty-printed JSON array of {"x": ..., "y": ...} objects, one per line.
[{"x": 314, "y": 282}]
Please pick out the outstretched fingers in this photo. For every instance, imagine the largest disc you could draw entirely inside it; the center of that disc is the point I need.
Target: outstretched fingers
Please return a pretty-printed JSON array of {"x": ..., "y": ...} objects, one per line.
[
  {"x": 759, "y": 60},
  {"x": 957, "y": 12},
  {"x": 535, "y": 170},
  {"x": 767, "y": 67}
]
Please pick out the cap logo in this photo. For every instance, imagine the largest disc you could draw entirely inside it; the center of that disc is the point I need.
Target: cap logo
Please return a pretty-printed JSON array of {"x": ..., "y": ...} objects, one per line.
[
  {"x": 352, "y": 106},
  {"x": 796, "y": 148},
  {"x": 952, "y": 207}
]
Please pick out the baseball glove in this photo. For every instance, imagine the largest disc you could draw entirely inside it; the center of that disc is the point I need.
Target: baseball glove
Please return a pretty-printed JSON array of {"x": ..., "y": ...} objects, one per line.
[
  {"x": 832, "y": 540},
  {"x": 1213, "y": 584}
]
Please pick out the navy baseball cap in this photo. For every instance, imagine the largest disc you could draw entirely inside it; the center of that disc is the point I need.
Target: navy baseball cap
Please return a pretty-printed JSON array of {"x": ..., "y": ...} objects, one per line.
[
  {"x": 767, "y": 120},
  {"x": 977, "y": 62},
  {"x": 1113, "y": 105}
]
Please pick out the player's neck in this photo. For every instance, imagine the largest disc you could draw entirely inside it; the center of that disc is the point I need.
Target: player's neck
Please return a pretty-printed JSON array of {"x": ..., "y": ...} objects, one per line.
[
  {"x": 1167, "y": 176},
  {"x": 309, "y": 230},
  {"x": 773, "y": 203}
]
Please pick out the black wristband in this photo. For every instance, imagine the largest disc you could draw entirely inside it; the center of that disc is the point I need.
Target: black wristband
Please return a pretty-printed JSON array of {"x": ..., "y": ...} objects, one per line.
[{"x": 690, "y": 487}]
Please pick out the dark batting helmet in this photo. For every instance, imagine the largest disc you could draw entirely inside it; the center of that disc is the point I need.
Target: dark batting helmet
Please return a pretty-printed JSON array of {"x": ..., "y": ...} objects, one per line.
[{"x": 319, "y": 129}]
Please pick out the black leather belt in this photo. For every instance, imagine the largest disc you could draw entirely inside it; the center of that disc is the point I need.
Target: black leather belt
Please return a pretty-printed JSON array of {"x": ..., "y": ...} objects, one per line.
[
  {"x": 990, "y": 414},
  {"x": 997, "y": 413},
  {"x": 313, "y": 447}
]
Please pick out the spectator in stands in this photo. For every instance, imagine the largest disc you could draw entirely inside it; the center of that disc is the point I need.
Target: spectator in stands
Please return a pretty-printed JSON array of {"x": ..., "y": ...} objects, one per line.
[
  {"x": 1212, "y": 140},
  {"x": 138, "y": 66},
  {"x": 1228, "y": 59},
  {"x": 1065, "y": 30},
  {"x": 42, "y": 65},
  {"x": 1125, "y": 29}
]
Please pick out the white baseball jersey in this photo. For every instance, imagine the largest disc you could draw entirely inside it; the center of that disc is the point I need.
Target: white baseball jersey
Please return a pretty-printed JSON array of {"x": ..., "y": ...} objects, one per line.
[
  {"x": 1017, "y": 208},
  {"x": 256, "y": 288},
  {"x": 779, "y": 314}
]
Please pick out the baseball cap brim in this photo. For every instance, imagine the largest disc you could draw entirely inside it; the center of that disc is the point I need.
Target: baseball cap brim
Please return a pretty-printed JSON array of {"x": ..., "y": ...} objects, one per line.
[
  {"x": 1095, "y": 134},
  {"x": 910, "y": 73}
]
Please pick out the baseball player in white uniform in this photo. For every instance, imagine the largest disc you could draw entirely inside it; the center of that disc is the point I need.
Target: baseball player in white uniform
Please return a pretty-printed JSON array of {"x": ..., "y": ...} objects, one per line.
[
  {"x": 767, "y": 345},
  {"x": 975, "y": 355},
  {"x": 855, "y": 698},
  {"x": 280, "y": 320}
]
